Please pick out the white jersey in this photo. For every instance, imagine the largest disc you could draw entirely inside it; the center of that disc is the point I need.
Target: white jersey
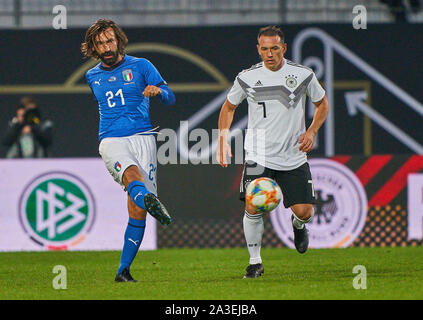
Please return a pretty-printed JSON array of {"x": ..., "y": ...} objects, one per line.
[{"x": 276, "y": 112}]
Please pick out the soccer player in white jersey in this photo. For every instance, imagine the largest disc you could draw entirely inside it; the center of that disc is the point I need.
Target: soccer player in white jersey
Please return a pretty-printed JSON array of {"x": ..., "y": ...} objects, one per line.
[{"x": 277, "y": 140}]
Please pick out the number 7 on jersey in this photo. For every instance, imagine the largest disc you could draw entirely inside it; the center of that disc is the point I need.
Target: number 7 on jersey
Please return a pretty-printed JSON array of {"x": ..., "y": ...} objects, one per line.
[{"x": 264, "y": 108}]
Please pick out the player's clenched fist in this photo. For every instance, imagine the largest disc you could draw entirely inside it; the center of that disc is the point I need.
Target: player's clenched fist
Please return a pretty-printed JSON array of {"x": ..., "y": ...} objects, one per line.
[{"x": 151, "y": 91}]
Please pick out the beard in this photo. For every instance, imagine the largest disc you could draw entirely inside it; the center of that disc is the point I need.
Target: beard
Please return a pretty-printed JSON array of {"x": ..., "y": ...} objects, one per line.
[{"x": 110, "y": 60}]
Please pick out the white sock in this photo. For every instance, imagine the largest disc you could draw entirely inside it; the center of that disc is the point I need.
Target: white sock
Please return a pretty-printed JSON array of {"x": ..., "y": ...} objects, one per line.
[
  {"x": 298, "y": 223},
  {"x": 253, "y": 231}
]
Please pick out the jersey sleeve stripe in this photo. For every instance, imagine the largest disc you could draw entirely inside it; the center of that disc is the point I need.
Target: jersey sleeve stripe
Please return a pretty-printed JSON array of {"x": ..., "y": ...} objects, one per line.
[{"x": 161, "y": 84}]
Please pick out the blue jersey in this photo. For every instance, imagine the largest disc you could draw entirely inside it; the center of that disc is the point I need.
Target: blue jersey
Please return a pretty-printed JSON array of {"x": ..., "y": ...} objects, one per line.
[{"x": 123, "y": 109}]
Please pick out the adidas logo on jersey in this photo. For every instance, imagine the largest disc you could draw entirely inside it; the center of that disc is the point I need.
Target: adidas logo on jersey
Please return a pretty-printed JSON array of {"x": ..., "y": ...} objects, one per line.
[{"x": 258, "y": 83}]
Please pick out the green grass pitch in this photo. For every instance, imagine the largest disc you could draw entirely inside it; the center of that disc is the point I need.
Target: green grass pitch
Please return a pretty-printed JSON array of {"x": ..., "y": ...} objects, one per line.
[{"x": 216, "y": 274}]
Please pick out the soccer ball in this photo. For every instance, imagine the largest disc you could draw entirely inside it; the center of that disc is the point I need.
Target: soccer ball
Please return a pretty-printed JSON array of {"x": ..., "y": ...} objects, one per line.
[{"x": 263, "y": 194}]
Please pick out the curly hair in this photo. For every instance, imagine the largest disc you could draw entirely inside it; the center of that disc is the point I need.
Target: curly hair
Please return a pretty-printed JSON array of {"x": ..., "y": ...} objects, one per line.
[{"x": 88, "y": 48}]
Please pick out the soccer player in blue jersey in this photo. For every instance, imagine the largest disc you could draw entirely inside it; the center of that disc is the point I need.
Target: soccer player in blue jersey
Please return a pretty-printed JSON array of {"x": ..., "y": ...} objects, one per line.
[{"x": 122, "y": 86}]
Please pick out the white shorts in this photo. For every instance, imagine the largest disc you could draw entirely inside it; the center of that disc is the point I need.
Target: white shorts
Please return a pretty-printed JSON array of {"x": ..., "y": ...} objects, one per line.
[{"x": 122, "y": 152}]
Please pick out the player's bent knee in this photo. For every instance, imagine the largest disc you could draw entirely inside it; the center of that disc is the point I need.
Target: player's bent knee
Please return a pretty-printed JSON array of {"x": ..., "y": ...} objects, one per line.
[
  {"x": 303, "y": 212},
  {"x": 251, "y": 210},
  {"x": 132, "y": 173}
]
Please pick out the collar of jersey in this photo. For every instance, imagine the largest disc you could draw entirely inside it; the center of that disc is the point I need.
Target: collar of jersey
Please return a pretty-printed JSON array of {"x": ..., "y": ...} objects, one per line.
[
  {"x": 273, "y": 72},
  {"x": 113, "y": 66}
]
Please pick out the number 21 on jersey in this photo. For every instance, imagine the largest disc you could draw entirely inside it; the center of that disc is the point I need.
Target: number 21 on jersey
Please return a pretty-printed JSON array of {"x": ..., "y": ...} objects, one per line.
[{"x": 110, "y": 96}]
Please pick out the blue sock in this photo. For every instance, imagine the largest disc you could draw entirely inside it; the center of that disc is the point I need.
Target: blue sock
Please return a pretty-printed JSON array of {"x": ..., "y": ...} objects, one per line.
[
  {"x": 137, "y": 191},
  {"x": 133, "y": 238}
]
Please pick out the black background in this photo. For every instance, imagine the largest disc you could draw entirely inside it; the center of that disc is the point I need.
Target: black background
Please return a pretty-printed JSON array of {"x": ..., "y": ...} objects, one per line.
[{"x": 50, "y": 56}]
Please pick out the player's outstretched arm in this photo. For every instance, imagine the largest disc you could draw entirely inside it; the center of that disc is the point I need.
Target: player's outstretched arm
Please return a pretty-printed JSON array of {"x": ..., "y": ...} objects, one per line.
[
  {"x": 307, "y": 138},
  {"x": 225, "y": 120}
]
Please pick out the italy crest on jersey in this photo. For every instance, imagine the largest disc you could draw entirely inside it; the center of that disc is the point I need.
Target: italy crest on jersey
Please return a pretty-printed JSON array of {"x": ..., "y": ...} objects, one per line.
[{"x": 127, "y": 75}]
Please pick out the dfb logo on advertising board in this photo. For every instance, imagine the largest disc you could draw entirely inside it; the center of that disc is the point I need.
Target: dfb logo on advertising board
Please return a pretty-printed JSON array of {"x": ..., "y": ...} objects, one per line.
[
  {"x": 57, "y": 210},
  {"x": 340, "y": 210}
]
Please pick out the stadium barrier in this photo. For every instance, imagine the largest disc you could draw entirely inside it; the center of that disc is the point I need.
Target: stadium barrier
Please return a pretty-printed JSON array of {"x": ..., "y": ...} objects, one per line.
[
  {"x": 63, "y": 204},
  {"x": 73, "y": 204},
  {"x": 361, "y": 202}
]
